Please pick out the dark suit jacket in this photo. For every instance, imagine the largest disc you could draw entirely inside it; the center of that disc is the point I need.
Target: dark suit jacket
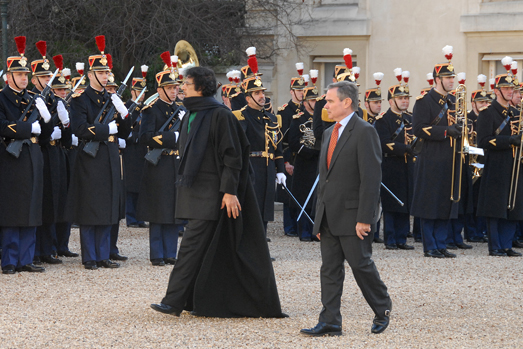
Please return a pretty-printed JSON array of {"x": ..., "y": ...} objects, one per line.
[{"x": 349, "y": 190}]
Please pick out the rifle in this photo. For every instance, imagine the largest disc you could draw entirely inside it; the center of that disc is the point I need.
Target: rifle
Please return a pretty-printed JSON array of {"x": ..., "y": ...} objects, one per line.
[
  {"x": 92, "y": 147},
  {"x": 153, "y": 156},
  {"x": 69, "y": 95},
  {"x": 15, "y": 147}
]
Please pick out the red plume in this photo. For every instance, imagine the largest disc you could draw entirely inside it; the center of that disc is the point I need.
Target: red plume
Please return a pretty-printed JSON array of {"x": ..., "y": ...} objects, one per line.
[
  {"x": 59, "y": 62},
  {"x": 253, "y": 64},
  {"x": 20, "y": 44},
  {"x": 166, "y": 57},
  {"x": 42, "y": 47},
  {"x": 100, "y": 42},
  {"x": 109, "y": 61},
  {"x": 348, "y": 61}
]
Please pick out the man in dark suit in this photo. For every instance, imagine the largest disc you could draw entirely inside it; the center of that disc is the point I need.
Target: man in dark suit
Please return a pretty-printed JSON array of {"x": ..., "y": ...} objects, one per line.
[{"x": 347, "y": 208}]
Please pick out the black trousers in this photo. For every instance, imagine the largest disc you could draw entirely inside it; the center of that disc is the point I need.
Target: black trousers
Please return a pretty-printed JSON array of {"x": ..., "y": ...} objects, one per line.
[
  {"x": 196, "y": 240},
  {"x": 334, "y": 251}
]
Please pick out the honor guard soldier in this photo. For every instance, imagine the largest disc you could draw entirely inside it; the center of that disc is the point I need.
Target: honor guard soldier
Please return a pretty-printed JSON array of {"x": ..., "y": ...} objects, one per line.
[
  {"x": 432, "y": 185},
  {"x": 302, "y": 144},
  {"x": 157, "y": 197},
  {"x": 94, "y": 195},
  {"x": 239, "y": 101},
  {"x": 80, "y": 66},
  {"x": 23, "y": 118},
  {"x": 55, "y": 167},
  {"x": 475, "y": 227},
  {"x": 231, "y": 90},
  {"x": 373, "y": 99},
  {"x": 500, "y": 193},
  {"x": 133, "y": 156},
  {"x": 397, "y": 166},
  {"x": 264, "y": 134},
  {"x": 225, "y": 94},
  {"x": 285, "y": 114}
]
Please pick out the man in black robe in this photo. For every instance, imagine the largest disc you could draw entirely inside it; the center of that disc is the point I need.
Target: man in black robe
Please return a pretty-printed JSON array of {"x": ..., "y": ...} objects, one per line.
[{"x": 223, "y": 268}]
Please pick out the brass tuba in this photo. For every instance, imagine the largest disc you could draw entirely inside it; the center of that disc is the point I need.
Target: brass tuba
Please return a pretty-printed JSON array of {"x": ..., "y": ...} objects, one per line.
[
  {"x": 516, "y": 165},
  {"x": 462, "y": 119},
  {"x": 186, "y": 59}
]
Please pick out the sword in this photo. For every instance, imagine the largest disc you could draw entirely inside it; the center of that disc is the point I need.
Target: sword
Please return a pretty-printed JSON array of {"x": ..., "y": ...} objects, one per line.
[
  {"x": 394, "y": 196},
  {"x": 296, "y": 201},
  {"x": 308, "y": 197}
]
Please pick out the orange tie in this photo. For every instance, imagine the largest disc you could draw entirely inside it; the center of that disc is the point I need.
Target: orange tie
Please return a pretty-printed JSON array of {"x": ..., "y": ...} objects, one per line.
[{"x": 332, "y": 143}]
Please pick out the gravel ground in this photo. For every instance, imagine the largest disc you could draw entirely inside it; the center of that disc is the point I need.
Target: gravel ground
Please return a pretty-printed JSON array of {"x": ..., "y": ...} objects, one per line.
[{"x": 473, "y": 301}]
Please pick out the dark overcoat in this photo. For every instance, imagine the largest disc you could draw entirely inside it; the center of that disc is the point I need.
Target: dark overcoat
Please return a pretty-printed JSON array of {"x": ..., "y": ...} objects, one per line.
[{"x": 134, "y": 153}]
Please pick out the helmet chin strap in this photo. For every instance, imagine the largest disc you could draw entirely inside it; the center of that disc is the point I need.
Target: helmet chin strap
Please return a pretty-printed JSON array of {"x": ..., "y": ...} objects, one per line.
[
  {"x": 14, "y": 81},
  {"x": 262, "y": 107},
  {"x": 442, "y": 84},
  {"x": 166, "y": 96},
  {"x": 99, "y": 83},
  {"x": 503, "y": 96},
  {"x": 40, "y": 83}
]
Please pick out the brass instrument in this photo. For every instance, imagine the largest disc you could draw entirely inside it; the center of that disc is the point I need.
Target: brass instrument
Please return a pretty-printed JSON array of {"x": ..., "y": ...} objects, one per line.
[
  {"x": 186, "y": 59},
  {"x": 307, "y": 139},
  {"x": 516, "y": 165},
  {"x": 462, "y": 119}
]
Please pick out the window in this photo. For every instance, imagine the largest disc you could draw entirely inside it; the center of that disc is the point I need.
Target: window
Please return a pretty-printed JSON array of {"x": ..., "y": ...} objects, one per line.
[{"x": 326, "y": 65}]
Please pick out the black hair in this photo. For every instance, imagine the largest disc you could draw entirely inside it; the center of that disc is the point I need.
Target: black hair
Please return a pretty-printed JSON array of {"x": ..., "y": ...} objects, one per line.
[{"x": 204, "y": 80}]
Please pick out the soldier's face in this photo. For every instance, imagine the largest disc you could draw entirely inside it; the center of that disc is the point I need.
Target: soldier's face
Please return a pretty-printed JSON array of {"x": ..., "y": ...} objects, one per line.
[
  {"x": 373, "y": 106},
  {"x": 111, "y": 89},
  {"x": 256, "y": 99},
  {"x": 516, "y": 97},
  {"x": 447, "y": 82},
  {"x": 40, "y": 81},
  {"x": 297, "y": 95},
  {"x": 60, "y": 92},
  {"x": 480, "y": 105},
  {"x": 169, "y": 91},
  {"x": 18, "y": 79},
  {"x": 103, "y": 77},
  {"x": 402, "y": 103},
  {"x": 227, "y": 102},
  {"x": 507, "y": 92}
]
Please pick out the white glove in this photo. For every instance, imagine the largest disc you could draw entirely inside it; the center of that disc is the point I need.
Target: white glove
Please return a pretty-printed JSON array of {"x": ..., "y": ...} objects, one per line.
[
  {"x": 57, "y": 133},
  {"x": 118, "y": 104},
  {"x": 42, "y": 108},
  {"x": 181, "y": 114},
  {"x": 74, "y": 140},
  {"x": 281, "y": 179},
  {"x": 35, "y": 128},
  {"x": 63, "y": 114},
  {"x": 121, "y": 143},
  {"x": 176, "y": 135},
  {"x": 113, "y": 128}
]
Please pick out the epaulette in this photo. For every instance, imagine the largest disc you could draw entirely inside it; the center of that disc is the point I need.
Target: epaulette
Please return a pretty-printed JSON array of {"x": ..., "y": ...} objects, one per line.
[
  {"x": 297, "y": 116},
  {"x": 320, "y": 98},
  {"x": 380, "y": 115},
  {"x": 280, "y": 122},
  {"x": 485, "y": 107},
  {"x": 76, "y": 94},
  {"x": 407, "y": 112},
  {"x": 325, "y": 115},
  {"x": 149, "y": 105},
  {"x": 31, "y": 92},
  {"x": 420, "y": 96},
  {"x": 283, "y": 107},
  {"x": 179, "y": 103},
  {"x": 238, "y": 114}
]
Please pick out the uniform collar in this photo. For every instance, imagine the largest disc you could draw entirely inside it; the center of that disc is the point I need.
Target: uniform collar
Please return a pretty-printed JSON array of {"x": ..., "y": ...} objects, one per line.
[
  {"x": 500, "y": 109},
  {"x": 96, "y": 96},
  {"x": 16, "y": 98}
]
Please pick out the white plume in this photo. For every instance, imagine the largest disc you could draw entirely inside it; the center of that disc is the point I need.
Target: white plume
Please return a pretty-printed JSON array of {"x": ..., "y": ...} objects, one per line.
[
  {"x": 447, "y": 49},
  {"x": 313, "y": 73},
  {"x": 347, "y": 51},
  {"x": 378, "y": 76},
  {"x": 482, "y": 78},
  {"x": 397, "y": 72},
  {"x": 251, "y": 51},
  {"x": 506, "y": 60},
  {"x": 356, "y": 70}
]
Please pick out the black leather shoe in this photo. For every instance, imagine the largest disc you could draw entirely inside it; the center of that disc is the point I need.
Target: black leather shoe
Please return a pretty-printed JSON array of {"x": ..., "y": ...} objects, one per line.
[
  {"x": 511, "y": 253},
  {"x": 106, "y": 263},
  {"x": 434, "y": 254},
  {"x": 68, "y": 254},
  {"x": 91, "y": 265},
  {"x": 378, "y": 240},
  {"x": 405, "y": 247},
  {"x": 410, "y": 235},
  {"x": 166, "y": 309},
  {"x": 475, "y": 239},
  {"x": 158, "y": 262},
  {"x": 171, "y": 261},
  {"x": 464, "y": 246},
  {"x": 36, "y": 260},
  {"x": 447, "y": 254},
  {"x": 291, "y": 234},
  {"x": 143, "y": 225},
  {"x": 9, "y": 269},
  {"x": 391, "y": 246},
  {"x": 517, "y": 244},
  {"x": 117, "y": 257},
  {"x": 380, "y": 324},
  {"x": 133, "y": 225},
  {"x": 50, "y": 260},
  {"x": 418, "y": 240},
  {"x": 32, "y": 268},
  {"x": 322, "y": 329},
  {"x": 452, "y": 247},
  {"x": 497, "y": 253}
]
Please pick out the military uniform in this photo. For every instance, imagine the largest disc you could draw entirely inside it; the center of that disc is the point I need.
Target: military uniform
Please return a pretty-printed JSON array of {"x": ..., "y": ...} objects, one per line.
[
  {"x": 21, "y": 187},
  {"x": 432, "y": 185},
  {"x": 302, "y": 144},
  {"x": 497, "y": 130},
  {"x": 95, "y": 192},
  {"x": 157, "y": 198},
  {"x": 397, "y": 169}
]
